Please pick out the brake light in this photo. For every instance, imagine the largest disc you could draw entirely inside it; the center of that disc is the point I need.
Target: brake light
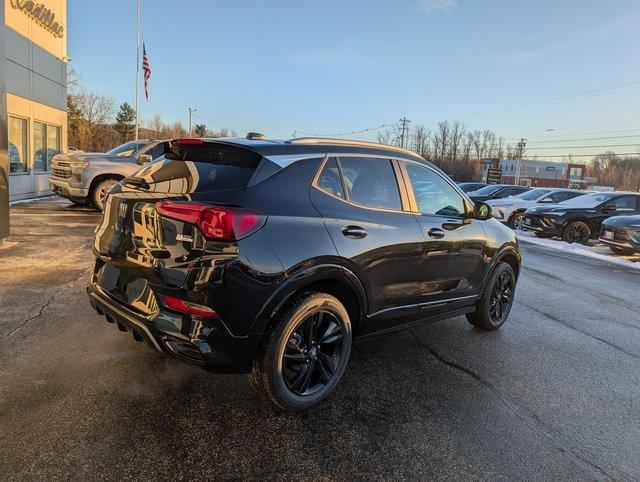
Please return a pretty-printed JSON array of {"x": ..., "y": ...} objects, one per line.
[
  {"x": 187, "y": 307},
  {"x": 214, "y": 222},
  {"x": 188, "y": 142}
]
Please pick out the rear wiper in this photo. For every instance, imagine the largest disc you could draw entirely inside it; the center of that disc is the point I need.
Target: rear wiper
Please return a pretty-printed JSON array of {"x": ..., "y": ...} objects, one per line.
[{"x": 137, "y": 181}]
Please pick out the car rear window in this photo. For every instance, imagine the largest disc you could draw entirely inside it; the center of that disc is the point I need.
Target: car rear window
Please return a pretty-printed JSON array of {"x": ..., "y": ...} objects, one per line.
[{"x": 218, "y": 166}]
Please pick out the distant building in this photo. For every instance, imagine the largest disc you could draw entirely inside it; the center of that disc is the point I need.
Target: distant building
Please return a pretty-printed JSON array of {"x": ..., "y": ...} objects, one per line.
[{"x": 538, "y": 173}]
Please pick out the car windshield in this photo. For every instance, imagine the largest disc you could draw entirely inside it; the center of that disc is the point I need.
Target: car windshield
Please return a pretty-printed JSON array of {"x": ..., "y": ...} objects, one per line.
[
  {"x": 533, "y": 194},
  {"x": 127, "y": 149},
  {"x": 588, "y": 200},
  {"x": 485, "y": 191}
]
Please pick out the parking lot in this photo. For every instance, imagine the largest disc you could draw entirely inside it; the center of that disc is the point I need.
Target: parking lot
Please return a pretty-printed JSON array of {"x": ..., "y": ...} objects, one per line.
[{"x": 554, "y": 394}]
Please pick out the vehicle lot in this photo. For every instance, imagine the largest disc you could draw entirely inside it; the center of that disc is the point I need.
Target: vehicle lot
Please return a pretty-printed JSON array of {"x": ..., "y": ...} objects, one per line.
[{"x": 553, "y": 394}]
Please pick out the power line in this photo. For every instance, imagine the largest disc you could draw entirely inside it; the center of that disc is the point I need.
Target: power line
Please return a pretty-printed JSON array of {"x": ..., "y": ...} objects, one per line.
[
  {"x": 337, "y": 134},
  {"x": 571, "y": 154},
  {"x": 585, "y": 147},
  {"x": 584, "y": 139}
]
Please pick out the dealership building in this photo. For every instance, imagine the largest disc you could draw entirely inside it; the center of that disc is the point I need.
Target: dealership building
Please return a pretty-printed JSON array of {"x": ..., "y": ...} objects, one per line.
[{"x": 33, "y": 93}]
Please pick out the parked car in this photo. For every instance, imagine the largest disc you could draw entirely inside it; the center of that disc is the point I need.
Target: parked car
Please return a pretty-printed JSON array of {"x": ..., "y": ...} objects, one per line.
[
  {"x": 272, "y": 256},
  {"x": 496, "y": 191},
  {"x": 85, "y": 177},
  {"x": 511, "y": 210},
  {"x": 471, "y": 186},
  {"x": 579, "y": 219},
  {"x": 621, "y": 234}
]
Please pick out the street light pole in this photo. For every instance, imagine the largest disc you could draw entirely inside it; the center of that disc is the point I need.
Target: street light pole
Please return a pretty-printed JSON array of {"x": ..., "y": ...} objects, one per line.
[{"x": 191, "y": 111}]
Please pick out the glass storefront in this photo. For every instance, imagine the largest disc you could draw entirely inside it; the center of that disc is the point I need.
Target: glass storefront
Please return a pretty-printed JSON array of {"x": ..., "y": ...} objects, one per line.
[
  {"x": 18, "y": 145},
  {"x": 46, "y": 144}
]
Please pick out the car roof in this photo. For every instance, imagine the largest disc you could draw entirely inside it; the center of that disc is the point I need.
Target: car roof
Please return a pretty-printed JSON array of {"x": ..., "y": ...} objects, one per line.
[{"x": 271, "y": 149}]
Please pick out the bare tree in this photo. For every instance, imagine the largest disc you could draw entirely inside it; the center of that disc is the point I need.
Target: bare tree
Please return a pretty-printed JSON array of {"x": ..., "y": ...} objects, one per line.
[
  {"x": 419, "y": 140},
  {"x": 90, "y": 118}
]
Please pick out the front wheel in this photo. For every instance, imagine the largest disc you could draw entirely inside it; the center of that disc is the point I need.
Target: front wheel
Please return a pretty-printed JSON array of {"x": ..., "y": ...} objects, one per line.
[
  {"x": 493, "y": 308},
  {"x": 576, "y": 232},
  {"x": 303, "y": 358},
  {"x": 100, "y": 191},
  {"x": 516, "y": 221}
]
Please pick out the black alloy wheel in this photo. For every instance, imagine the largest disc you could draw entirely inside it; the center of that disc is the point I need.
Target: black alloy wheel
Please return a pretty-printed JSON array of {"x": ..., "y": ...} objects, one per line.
[
  {"x": 303, "y": 358},
  {"x": 501, "y": 297},
  {"x": 312, "y": 353},
  {"x": 576, "y": 232},
  {"x": 495, "y": 304}
]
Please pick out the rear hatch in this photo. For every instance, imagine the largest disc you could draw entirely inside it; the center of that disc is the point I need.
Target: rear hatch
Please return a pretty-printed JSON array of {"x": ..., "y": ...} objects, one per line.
[{"x": 137, "y": 249}]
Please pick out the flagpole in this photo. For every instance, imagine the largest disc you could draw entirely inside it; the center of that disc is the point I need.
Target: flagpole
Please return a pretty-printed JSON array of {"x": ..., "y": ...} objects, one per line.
[{"x": 137, "y": 66}]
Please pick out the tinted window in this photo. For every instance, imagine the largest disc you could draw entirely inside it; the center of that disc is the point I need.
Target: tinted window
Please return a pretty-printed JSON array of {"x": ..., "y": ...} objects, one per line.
[
  {"x": 370, "y": 182},
  {"x": 558, "y": 197},
  {"x": 624, "y": 202},
  {"x": 155, "y": 151},
  {"x": 329, "y": 180},
  {"x": 533, "y": 194},
  {"x": 126, "y": 149},
  {"x": 487, "y": 190},
  {"x": 512, "y": 191},
  {"x": 433, "y": 194}
]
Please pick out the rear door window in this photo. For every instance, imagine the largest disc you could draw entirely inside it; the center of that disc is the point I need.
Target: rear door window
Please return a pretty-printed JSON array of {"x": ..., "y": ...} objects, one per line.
[{"x": 370, "y": 182}]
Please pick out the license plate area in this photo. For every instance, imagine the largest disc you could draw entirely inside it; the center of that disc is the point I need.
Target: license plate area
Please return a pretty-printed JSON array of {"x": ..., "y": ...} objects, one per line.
[{"x": 124, "y": 285}]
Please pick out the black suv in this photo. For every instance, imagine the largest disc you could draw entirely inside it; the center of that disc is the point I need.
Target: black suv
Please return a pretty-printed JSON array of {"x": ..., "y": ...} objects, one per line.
[
  {"x": 272, "y": 256},
  {"x": 579, "y": 219}
]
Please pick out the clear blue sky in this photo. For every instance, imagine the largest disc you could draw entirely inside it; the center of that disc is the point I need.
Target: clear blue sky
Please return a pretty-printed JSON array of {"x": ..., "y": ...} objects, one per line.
[{"x": 517, "y": 67}]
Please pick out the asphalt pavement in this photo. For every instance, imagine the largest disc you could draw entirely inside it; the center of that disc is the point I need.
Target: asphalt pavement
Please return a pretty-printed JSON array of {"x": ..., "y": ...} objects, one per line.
[{"x": 552, "y": 395}]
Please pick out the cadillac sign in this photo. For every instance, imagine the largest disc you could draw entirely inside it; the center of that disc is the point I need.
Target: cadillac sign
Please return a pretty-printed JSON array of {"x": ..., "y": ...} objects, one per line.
[{"x": 40, "y": 14}]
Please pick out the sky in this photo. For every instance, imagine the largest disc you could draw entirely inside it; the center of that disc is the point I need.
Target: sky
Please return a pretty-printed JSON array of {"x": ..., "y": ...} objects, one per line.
[{"x": 519, "y": 68}]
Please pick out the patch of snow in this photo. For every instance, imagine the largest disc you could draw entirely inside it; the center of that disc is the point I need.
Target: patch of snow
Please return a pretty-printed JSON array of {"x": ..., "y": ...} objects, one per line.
[
  {"x": 33, "y": 200},
  {"x": 594, "y": 250}
]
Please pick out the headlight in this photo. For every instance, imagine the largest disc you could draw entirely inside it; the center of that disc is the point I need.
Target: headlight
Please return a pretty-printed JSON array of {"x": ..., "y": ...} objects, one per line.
[{"x": 78, "y": 167}]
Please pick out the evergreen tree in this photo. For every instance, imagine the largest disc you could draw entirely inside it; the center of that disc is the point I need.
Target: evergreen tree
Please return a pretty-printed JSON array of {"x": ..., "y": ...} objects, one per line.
[
  {"x": 125, "y": 121},
  {"x": 200, "y": 130}
]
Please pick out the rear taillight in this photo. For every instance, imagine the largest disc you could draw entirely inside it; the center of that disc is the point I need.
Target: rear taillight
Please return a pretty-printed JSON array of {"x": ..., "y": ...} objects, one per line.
[
  {"x": 214, "y": 222},
  {"x": 184, "y": 306}
]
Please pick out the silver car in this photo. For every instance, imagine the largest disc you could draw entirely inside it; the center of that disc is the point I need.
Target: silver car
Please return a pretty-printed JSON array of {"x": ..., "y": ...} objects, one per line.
[{"x": 85, "y": 177}]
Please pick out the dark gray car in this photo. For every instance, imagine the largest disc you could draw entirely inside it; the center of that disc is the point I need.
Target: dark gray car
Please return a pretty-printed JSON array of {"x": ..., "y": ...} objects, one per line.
[{"x": 85, "y": 177}]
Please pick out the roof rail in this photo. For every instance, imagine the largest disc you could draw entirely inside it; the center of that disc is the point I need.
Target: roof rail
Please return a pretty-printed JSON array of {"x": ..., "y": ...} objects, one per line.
[{"x": 347, "y": 142}]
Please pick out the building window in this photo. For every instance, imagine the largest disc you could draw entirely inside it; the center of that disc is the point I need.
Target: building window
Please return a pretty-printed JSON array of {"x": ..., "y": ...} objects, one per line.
[
  {"x": 46, "y": 144},
  {"x": 18, "y": 145}
]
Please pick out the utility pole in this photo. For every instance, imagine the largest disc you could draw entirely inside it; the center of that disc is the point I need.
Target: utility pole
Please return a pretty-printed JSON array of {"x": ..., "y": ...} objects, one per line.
[
  {"x": 521, "y": 146},
  {"x": 191, "y": 111},
  {"x": 404, "y": 130}
]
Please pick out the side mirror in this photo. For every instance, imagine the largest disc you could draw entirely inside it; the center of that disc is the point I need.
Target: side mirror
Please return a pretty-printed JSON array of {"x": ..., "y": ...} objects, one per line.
[
  {"x": 482, "y": 211},
  {"x": 546, "y": 200},
  {"x": 144, "y": 159}
]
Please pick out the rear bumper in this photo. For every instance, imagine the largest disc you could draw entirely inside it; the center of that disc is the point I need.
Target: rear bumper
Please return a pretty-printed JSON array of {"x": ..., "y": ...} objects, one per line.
[
  {"x": 64, "y": 189},
  {"x": 204, "y": 342}
]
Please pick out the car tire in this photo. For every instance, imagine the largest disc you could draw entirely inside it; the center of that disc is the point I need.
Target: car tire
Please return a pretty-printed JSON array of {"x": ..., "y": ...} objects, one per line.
[
  {"x": 497, "y": 298},
  {"x": 516, "y": 220},
  {"x": 576, "y": 232},
  {"x": 97, "y": 195},
  {"x": 621, "y": 251},
  {"x": 294, "y": 369}
]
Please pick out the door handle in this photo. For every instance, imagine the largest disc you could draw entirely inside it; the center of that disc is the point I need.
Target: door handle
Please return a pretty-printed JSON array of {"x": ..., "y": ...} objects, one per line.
[
  {"x": 436, "y": 233},
  {"x": 354, "y": 232}
]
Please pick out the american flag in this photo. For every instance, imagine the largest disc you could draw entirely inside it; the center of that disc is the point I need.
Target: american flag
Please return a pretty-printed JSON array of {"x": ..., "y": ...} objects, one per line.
[{"x": 147, "y": 70}]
